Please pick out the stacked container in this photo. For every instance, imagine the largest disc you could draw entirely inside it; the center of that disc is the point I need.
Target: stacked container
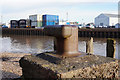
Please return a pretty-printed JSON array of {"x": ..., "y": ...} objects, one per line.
[
  {"x": 24, "y": 23},
  {"x": 14, "y": 23},
  {"x": 36, "y": 20},
  {"x": 50, "y": 20}
]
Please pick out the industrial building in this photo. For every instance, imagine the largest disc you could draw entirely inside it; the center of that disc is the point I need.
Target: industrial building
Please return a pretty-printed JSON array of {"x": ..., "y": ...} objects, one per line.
[
  {"x": 36, "y": 20},
  {"x": 106, "y": 20},
  {"x": 50, "y": 20},
  {"x": 44, "y": 20}
]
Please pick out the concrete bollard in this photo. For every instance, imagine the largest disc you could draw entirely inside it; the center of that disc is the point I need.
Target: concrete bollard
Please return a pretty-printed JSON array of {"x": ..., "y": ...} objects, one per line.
[
  {"x": 66, "y": 39},
  {"x": 110, "y": 48},
  {"x": 89, "y": 45}
]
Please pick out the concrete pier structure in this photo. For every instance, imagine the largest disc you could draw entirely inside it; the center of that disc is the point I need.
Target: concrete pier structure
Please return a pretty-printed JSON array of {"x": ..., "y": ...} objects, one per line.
[
  {"x": 59, "y": 65},
  {"x": 96, "y": 32},
  {"x": 45, "y": 66}
]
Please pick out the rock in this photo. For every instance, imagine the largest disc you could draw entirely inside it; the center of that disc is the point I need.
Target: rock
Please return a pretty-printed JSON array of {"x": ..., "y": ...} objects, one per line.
[{"x": 75, "y": 67}]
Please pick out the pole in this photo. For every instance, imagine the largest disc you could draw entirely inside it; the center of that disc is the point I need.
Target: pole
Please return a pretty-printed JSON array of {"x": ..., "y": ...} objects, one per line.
[
  {"x": 110, "y": 48},
  {"x": 67, "y": 16},
  {"x": 89, "y": 46}
]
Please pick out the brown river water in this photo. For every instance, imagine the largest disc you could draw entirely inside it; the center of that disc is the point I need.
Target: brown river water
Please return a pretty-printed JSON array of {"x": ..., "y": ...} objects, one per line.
[{"x": 38, "y": 44}]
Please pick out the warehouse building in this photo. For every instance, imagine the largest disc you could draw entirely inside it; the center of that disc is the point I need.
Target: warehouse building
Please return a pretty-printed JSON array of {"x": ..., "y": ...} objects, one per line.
[{"x": 106, "y": 20}]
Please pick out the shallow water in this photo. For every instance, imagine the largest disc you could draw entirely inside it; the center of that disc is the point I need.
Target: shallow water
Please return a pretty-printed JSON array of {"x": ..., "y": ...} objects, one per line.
[{"x": 38, "y": 44}]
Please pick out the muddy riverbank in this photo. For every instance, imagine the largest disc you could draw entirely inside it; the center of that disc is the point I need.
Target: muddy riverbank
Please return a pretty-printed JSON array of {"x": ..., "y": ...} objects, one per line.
[{"x": 10, "y": 65}]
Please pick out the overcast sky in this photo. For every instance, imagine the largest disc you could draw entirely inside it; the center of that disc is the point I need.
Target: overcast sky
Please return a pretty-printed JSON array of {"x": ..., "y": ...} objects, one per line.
[{"x": 78, "y": 10}]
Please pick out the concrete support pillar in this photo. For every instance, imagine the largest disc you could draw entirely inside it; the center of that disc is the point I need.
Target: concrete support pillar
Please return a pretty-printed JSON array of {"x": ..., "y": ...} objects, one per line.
[
  {"x": 110, "y": 48},
  {"x": 89, "y": 45}
]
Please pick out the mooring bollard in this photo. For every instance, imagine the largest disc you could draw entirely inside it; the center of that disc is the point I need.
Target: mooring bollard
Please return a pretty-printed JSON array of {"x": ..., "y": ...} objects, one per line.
[
  {"x": 66, "y": 39},
  {"x": 89, "y": 45},
  {"x": 110, "y": 48}
]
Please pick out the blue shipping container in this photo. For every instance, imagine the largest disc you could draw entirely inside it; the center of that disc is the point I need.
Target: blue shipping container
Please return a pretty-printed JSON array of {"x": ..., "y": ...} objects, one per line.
[{"x": 50, "y": 20}]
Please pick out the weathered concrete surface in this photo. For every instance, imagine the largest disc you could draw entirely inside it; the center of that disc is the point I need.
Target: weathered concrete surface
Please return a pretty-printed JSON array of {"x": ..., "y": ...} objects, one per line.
[{"x": 47, "y": 65}]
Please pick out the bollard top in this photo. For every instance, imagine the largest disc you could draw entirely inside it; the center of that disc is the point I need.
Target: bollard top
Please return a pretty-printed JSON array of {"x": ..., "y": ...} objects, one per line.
[{"x": 63, "y": 31}]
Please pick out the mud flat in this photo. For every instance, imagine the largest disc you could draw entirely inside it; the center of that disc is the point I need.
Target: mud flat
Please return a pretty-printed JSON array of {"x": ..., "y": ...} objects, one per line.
[{"x": 10, "y": 65}]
